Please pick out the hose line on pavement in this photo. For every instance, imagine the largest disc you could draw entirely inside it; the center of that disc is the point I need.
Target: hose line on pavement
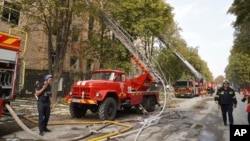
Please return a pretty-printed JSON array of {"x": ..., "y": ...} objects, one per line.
[
  {"x": 107, "y": 123},
  {"x": 21, "y": 124}
]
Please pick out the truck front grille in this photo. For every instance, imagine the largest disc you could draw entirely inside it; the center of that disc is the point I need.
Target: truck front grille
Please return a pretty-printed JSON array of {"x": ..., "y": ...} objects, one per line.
[{"x": 77, "y": 92}]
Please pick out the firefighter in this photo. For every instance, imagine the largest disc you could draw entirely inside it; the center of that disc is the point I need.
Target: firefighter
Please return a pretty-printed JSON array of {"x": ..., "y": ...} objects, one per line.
[
  {"x": 247, "y": 97},
  {"x": 225, "y": 97},
  {"x": 44, "y": 104},
  {"x": 244, "y": 91}
]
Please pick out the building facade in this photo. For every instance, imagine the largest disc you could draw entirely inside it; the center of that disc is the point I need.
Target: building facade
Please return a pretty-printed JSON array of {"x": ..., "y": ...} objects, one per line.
[{"x": 34, "y": 54}]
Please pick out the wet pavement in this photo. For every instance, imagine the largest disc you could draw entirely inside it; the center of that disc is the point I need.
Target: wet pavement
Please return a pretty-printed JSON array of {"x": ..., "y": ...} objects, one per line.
[{"x": 184, "y": 119}]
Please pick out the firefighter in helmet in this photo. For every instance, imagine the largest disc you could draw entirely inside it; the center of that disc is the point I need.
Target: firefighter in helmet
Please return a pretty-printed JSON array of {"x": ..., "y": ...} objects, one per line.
[
  {"x": 225, "y": 97},
  {"x": 44, "y": 104}
]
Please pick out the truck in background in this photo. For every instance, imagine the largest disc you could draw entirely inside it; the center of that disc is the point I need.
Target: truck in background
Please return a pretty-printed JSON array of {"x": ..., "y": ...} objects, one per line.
[
  {"x": 190, "y": 87},
  {"x": 211, "y": 87},
  {"x": 9, "y": 56},
  {"x": 184, "y": 88}
]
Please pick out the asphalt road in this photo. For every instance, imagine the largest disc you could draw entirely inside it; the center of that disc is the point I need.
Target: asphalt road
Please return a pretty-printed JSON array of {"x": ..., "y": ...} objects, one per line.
[
  {"x": 184, "y": 119},
  {"x": 240, "y": 114}
]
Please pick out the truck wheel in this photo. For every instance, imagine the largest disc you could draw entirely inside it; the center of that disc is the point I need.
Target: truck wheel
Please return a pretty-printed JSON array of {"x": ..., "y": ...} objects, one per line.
[
  {"x": 150, "y": 104},
  {"x": 107, "y": 109},
  {"x": 192, "y": 95},
  {"x": 77, "y": 110}
]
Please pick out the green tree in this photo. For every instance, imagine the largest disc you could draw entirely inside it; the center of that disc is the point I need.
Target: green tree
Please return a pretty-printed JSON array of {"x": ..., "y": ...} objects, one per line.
[
  {"x": 219, "y": 80},
  {"x": 54, "y": 18},
  {"x": 174, "y": 67},
  {"x": 146, "y": 19},
  {"x": 237, "y": 69}
]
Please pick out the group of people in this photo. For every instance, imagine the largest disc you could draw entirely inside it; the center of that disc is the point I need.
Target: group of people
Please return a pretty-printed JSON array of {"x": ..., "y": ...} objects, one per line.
[{"x": 226, "y": 98}]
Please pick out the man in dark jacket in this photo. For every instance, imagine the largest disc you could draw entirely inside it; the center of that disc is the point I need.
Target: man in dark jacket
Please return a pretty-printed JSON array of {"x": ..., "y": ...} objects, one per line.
[
  {"x": 44, "y": 104},
  {"x": 225, "y": 97}
]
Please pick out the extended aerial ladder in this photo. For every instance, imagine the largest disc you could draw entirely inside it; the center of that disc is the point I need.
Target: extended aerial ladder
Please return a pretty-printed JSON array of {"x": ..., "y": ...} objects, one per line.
[
  {"x": 198, "y": 87},
  {"x": 136, "y": 49},
  {"x": 197, "y": 75}
]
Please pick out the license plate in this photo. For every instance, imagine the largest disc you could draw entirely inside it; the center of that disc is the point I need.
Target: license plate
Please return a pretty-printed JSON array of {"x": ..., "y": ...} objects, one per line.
[{"x": 76, "y": 100}]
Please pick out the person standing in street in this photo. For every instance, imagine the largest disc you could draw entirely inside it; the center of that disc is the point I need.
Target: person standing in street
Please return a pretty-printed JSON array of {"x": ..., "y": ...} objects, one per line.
[
  {"x": 225, "y": 97},
  {"x": 248, "y": 108},
  {"x": 44, "y": 104},
  {"x": 247, "y": 97}
]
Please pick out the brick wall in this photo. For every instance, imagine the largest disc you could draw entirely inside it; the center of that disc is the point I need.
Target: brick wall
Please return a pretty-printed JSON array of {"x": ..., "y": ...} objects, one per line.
[
  {"x": 32, "y": 76},
  {"x": 34, "y": 58}
]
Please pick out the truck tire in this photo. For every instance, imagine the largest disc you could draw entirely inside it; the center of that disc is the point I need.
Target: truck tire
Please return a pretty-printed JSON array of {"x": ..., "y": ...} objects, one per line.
[
  {"x": 107, "y": 109},
  {"x": 77, "y": 110},
  {"x": 149, "y": 104},
  {"x": 191, "y": 95}
]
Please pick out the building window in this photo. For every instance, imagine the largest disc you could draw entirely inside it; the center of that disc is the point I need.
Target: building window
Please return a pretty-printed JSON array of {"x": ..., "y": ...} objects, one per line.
[
  {"x": 75, "y": 33},
  {"x": 53, "y": 56},
  {"x": 89, "y": 64},
  {"x": 10, "y": 13},
  {"x": 60, "y": 84},
  {"x": 74, "y": 62}
]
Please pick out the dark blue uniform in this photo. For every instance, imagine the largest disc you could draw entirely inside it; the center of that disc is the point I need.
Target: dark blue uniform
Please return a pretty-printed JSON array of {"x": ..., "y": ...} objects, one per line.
[
  {"x": 43, "y": 106},
  {"x": 226, "y": 98}
]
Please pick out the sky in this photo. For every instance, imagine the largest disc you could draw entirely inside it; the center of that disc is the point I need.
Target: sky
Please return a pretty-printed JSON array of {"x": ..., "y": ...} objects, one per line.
[{"x": 205, "y": 24}]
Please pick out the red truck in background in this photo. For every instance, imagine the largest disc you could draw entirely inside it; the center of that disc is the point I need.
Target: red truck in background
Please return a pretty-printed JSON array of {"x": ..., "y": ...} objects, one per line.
[
  {"x": 211, "y": 87},
  {"x": 9, "y": 52},
  {"x": 187, "y": 88},
  {"x": 184, "y": 88}
]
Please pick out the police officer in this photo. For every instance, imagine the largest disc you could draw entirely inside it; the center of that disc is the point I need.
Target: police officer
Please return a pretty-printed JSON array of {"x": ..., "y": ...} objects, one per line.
[
  {"x": 225, "y": 97},
  {"x": 44, "y": 104}
]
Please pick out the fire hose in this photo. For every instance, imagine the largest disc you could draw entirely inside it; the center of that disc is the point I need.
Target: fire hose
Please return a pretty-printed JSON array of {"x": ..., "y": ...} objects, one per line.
[
  {"x": 25, "y": 128},
  {"x": 21, "y": 124}
]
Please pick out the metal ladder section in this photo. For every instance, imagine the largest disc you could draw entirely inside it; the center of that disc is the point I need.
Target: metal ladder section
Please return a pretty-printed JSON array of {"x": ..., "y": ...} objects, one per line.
[
  {"x": 183, "y": 60},
  {"x": 136, "y": 50}
]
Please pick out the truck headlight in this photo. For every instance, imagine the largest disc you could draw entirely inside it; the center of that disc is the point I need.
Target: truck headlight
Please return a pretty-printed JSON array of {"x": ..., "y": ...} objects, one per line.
[{"x": 97, "y": 94}]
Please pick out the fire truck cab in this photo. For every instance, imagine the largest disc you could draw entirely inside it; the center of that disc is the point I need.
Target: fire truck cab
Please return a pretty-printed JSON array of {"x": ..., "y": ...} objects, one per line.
[{"x": 184, "y": 88}]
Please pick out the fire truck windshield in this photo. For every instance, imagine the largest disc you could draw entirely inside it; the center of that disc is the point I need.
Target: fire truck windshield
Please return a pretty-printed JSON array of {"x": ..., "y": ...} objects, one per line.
[
  {"x": 103, "y": 76},
  {"x": 183, "y": 84}
]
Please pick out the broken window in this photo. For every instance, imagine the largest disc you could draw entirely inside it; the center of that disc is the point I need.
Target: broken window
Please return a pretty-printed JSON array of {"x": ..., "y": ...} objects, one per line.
[
  {"x": 10, "y": 13},
  {"x": 74, "y": 62}
]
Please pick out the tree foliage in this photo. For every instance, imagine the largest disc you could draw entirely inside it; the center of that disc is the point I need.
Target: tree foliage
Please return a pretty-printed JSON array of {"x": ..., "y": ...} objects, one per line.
[
  {"x": 141, "y": 19},
  {"x": 237, "y": 69},
  {"x": 54, "y": 18}
]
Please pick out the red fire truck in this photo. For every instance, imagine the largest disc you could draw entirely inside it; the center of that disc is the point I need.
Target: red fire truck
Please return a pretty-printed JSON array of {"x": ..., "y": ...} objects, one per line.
[
  {"x": 211, "y": 87},
  {"x": 110, "y": 90},
  {"x": 9, "y": 51}
]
